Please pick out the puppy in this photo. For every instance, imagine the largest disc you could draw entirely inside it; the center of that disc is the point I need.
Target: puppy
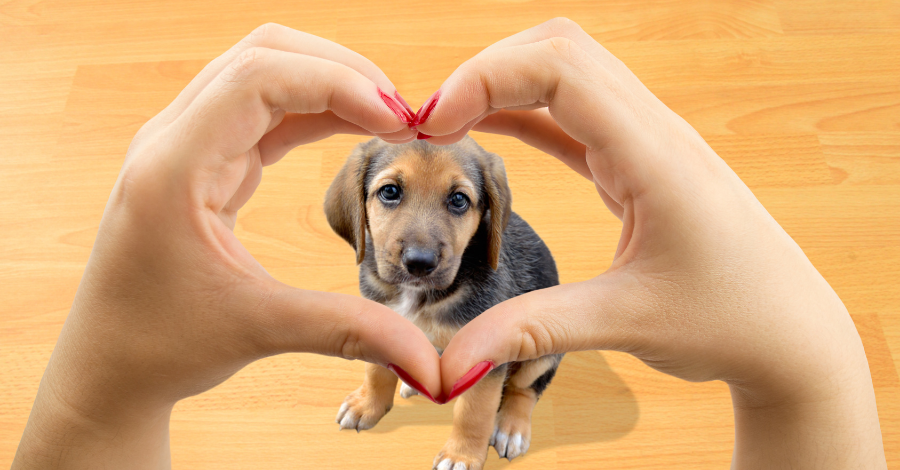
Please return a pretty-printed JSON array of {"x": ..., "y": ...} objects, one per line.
[{"x": 437, "y": 242}]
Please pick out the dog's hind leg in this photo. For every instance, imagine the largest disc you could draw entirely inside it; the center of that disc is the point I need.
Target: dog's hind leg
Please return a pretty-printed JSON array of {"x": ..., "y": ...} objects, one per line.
[
  {"x": 363, "y": 408},
  {"x": 512, "y": 433}
]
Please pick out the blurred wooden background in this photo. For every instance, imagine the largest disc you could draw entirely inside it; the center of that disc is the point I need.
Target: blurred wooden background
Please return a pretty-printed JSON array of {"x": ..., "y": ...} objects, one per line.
[{"x": 800, "y": 97}]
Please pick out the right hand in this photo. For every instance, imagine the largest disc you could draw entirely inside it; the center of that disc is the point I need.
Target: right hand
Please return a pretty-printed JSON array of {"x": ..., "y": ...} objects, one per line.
[{"x": 705, "y": 284}]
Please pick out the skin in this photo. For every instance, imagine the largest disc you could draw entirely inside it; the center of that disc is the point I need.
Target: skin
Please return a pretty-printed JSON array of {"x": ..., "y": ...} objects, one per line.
[
  {"x": 171, "y": 304},
  {"x": 701, "y": 266}
]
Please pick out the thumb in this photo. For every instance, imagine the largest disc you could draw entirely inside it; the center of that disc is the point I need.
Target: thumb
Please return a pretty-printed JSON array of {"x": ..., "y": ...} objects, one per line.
[
  {"x": 341, "y": 325},
  {"x": 594, "y": 314}
]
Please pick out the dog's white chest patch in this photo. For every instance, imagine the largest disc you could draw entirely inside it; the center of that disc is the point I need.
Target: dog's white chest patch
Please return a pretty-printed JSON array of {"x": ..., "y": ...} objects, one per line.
[
  {"x": 406, "y": 304},
  {"x": 409, "y": 305}
]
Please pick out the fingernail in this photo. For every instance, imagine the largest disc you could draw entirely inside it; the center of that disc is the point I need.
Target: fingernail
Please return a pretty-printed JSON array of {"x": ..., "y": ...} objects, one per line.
[
  {"x": 409, "y": 112},
  {"x": 470, "y": 378},
  {"x": 421, "y": 136},
  {"x": 408, "y": 380},
  {"x": 426, "y": 109},
  {"x": 396, "y": 107}
]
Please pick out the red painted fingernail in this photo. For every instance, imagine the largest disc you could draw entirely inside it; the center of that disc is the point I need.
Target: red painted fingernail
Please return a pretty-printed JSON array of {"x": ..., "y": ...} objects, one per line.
[
  {"x": 409, "y": 111},
  {"x": 396, "y": 107},
  {"x": 470, "y": 378},
  {"x": 426, "y": 109},
  {"x": 408, "y": 380},
  {"x": 422, "y": 136}
]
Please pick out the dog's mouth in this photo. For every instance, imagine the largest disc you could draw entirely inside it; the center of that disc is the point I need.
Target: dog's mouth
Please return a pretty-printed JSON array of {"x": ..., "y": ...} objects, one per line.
[
  {"x": 435, "y": 280},
  {"x": 439, "y": 279}
]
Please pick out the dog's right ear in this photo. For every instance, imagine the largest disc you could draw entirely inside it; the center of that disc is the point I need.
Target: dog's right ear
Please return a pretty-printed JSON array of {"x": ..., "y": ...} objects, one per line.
[{"x": 345, "y": 201}]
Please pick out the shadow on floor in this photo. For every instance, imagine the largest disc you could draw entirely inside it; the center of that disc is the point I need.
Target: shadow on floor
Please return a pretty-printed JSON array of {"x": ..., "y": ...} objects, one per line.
[{"x": 589, "y": 403}]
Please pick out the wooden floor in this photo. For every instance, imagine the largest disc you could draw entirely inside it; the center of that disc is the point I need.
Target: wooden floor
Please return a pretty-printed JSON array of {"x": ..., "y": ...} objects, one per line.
[{"x": 800, "y": 97}]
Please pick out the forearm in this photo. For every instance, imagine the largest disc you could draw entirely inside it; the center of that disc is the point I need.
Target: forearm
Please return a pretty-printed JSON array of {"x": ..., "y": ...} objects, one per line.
[
  {"x": 839, "y": 432},
  {"x": 59, "y": 436}
]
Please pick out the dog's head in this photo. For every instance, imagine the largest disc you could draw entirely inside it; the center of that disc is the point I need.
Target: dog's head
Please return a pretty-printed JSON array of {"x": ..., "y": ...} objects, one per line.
[{"x": 421, "y": 204}]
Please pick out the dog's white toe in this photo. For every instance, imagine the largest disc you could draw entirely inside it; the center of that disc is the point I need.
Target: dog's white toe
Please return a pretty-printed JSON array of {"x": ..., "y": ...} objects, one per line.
[
  {"x": 509, "y": 446},
  {"x": 500, "y": 440},
  {"x": 516, "y": 446},
  {"x": 349, "y": 420},
  {"x": 359, "y": 413},
  {"x": 406, "y": 391},
  {"x": 447, "y": 464}
]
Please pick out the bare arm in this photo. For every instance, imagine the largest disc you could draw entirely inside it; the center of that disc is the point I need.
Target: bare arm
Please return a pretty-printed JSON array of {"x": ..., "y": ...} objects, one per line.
[
  {"x": 171, "y": 304},
  {"x": 705, "y": 284}
]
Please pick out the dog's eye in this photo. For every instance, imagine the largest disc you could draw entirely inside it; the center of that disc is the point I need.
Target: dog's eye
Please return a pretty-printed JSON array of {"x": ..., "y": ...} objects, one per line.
[
  {"x": 389, "y": 193},
  {"x": 459, "y": 201}
]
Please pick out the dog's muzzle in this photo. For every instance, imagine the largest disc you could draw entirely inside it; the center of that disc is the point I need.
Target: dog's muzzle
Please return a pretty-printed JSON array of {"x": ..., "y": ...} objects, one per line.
[{"x": 419, "y": 262}]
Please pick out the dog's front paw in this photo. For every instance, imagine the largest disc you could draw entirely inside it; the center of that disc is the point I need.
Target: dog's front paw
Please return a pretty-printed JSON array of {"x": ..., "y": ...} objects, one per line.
[
  {"x": 457, "y": 457},
  {"x": 362, "y": 410},
  {"x": 406, "y": 391},
  {"x": 512, "y": 436}
]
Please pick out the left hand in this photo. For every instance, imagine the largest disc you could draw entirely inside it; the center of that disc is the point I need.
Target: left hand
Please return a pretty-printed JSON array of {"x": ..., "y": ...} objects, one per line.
[{"x": 171, "y": 304}]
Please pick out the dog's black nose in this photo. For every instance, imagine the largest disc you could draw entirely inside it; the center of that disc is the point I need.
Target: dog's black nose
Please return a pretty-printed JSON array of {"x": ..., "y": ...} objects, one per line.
[{"x": 419, "y": 262}]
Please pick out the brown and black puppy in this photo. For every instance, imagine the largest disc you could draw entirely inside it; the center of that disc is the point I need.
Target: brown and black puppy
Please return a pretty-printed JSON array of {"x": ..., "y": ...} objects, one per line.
[{"x": 437, "y": 242}]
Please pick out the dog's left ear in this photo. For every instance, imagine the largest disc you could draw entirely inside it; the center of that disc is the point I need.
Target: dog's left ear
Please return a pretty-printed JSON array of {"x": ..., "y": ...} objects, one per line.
[
  {"x": 499, "y": 203},
  {"x": 345, "y": 201}
]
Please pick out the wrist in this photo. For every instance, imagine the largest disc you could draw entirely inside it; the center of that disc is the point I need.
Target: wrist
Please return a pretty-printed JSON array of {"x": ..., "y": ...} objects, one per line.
[
  {"x": 84, "y": 417},
  {"x": 58, "y": 435},
  {"x": 825, "y": 418}
]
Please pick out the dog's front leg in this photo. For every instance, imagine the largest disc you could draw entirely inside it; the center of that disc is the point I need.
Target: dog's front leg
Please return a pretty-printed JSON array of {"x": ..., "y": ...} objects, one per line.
[
  {"x": 363, "y": 408},
  {"x": 473, "y": 424}
]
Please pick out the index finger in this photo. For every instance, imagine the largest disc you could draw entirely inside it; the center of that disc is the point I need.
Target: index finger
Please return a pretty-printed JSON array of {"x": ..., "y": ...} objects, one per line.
[{"x": 278, "y": 37}]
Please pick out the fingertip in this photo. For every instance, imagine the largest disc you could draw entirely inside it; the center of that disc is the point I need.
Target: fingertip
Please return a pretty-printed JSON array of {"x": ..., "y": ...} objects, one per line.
[
  {"x": 422, "y": 115},
  {"x": 412, "y": 382},
  {"x": 484, "y": 340},
  {"x": 298, "y": 320},
  {"x": 401, "y": 110},
  {"x": 372, "y": 108},
  {"x": 396, "y": 343},
  {"x": 402, "y": 136}
]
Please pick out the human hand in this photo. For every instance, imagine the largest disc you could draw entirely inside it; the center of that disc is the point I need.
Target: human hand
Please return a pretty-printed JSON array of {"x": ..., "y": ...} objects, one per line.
[
  {"x": 705, "y": 285},
  {"x": 171, "y": 304}
]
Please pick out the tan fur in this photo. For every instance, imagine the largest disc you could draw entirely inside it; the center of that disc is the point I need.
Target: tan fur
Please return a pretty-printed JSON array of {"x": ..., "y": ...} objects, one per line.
[
  {"x": 529, "y": 371},
  {"x": 498, "y": 201},
  {"x": 427, "y": 182},
  {"x": 424, "y": 317},
  {"x": 371, "y": 401},
  {"x": 512, "y": 434},
  {"x": 514, "y": 419},
  {"x": 344, "y": 206},
  {"x": 422, "y": 219},
  {"x": 473, "y": 423},
  {"x": 347, "y": 209}
]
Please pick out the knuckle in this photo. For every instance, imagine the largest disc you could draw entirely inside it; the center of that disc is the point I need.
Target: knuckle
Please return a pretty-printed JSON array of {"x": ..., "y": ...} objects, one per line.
[
  {"x": 563, "y": 25},
  {"x": 535, "y": 341},
  {"x": 263, "y": 33},
  {"x": 564, "y": 51},
  {"x": 562, "y": 46},
  {"x": 245, "y": 64},
  {"x": 348, "y": 336},
  {"x": 536, "y": 335},
  {"x": 351, "y": 347}
]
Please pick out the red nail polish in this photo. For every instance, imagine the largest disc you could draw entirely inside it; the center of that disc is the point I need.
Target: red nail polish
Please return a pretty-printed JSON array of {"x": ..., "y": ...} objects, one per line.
[
  {"x": 426, "y": 109},
  {"x": 409, "y": 111},
  {"x": 406, "y": 378},
  {"x": 470, "y": 378},
  {"x": 421, "y": 136},
  {"x": 396, "y": 107}
]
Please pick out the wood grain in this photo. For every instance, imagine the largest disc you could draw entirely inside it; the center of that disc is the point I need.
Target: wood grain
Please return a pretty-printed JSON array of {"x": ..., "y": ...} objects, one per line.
[{"x": 800, "y": 97}]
